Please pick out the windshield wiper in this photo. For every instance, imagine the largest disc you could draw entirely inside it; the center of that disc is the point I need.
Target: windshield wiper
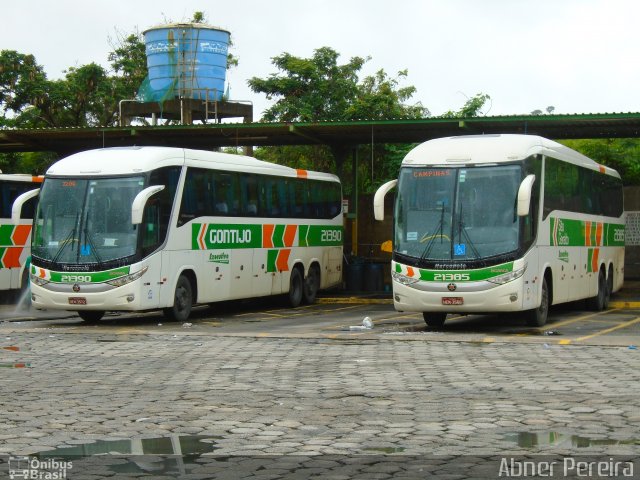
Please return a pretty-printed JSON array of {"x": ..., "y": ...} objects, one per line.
[
  {"x": 70, "y": 238},
  {"x": 463, "y": 232},
  {"x": 92, "y": 246},
  {"x": 438, "y": 233}
]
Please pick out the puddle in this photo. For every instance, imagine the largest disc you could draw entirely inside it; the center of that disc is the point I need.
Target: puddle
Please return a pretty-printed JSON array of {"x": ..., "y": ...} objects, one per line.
[
  {"x": 385, "y": 450},
  {"x": 115, "y": 339},
  {"x": 554, "y": 439},
  {"x": 15, "y": 365},
  {"x": 160, "y": 456}
]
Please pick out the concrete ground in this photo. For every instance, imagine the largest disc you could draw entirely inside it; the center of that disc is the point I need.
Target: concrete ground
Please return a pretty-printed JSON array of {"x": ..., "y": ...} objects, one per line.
[{"x": 261, "y": 391}]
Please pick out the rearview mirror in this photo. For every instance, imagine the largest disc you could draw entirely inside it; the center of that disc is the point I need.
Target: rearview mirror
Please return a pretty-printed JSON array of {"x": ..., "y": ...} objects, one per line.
[
  {"x": 137, "y": 207},
  {"x": 524, "y": 195},
  {"x": 18, "y": 203},
  {"x": 378, "y": 199}
]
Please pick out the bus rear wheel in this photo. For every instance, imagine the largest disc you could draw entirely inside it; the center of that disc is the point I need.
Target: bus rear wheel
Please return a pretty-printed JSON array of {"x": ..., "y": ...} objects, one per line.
[
  {"x": 182, "y": 301},
  {"x": 296, "y": 288},
  {"x": 538, "y": 316},
  {"x": 434, "y": 319},
  {"x": 601, "y": 300},
  {"x": 91, "y": 316},
  {"x": 311, "y": 285}
]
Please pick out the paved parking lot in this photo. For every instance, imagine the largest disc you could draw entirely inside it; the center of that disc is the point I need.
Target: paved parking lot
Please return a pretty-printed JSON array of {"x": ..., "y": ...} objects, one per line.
[
  {"x": 295, "y": 393},
  {"x": 342, "y": 316}
]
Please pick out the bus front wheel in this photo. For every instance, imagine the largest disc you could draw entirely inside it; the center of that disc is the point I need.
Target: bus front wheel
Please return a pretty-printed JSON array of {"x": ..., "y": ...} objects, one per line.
[
  {"x": 296, "y": 287},
  {"x": 91, "y": 316},
  {"x": 434, "y": 319},
  {"x": 538, "y": 316},
  {"x": 182, "y": 301}
]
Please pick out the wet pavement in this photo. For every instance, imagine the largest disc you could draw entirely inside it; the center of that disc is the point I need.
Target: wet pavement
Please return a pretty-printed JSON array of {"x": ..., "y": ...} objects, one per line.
[{"x": 261, "y": 391}]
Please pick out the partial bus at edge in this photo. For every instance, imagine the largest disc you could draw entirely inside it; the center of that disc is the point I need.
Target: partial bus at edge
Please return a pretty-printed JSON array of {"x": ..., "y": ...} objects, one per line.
[
  {"x": 145, "y": 228},
  {"x": 503, "y": 223},
  {"x": 15, "y": 236}
]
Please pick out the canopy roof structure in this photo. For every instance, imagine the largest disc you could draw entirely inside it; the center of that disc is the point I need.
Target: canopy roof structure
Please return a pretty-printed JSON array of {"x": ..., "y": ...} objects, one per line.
[{"x": 213, "y": 135}]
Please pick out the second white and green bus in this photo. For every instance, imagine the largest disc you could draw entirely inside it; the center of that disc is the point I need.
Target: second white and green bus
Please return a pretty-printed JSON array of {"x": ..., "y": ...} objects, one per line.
[
  {"x": 503, "y": 223},
  {"x": 144, "y": 228},
  {"x": 15, "y": 237}
]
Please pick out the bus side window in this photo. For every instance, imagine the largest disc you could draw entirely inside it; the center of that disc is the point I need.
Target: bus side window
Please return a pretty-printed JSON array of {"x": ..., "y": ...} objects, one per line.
[{"x": 249, "y": 187}]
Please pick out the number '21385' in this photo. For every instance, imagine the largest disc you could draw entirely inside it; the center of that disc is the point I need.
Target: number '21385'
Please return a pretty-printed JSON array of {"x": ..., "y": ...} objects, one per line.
[{"x": 451, "y": 277}]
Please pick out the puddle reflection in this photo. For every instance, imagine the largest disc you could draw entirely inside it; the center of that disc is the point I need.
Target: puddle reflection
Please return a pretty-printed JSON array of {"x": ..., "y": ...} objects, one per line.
[
  {"x": 555, "y": 439},
  {"x": 160, "y": 455}
]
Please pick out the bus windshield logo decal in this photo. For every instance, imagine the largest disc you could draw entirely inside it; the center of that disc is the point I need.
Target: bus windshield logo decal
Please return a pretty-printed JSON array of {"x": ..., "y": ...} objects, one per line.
[{"x": 460, "y": 249}]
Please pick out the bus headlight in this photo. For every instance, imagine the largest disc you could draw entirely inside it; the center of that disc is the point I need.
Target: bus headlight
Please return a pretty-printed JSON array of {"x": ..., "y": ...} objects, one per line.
[
  {"x": 120, "y": 281},
  {"x": 38, "y": 280},
  {"x": 403, "y": 279},
  {"x": 508, "y": 277}
]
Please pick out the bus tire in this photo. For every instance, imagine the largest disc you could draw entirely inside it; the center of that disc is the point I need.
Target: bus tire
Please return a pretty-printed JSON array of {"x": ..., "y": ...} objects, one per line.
[
  {"x": 601, "y": 300},
  {"x": 311, "y": 285},
  {"x": 538, "y": 316},
  {"x": 434, "y": 319},
  {"x": 182, "y": 301},
  {"x": 296, "y": 288},
  {"x": 91, "y": 316}
]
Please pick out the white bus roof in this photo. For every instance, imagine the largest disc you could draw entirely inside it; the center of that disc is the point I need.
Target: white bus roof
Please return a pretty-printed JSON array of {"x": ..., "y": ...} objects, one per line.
[
  {"x": 479, "y": 149},
  {"x": 133, "y": 160}
]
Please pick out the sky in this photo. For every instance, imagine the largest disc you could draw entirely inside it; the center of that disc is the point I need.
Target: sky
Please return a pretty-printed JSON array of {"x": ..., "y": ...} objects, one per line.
[{"x": 579, "y": 56}]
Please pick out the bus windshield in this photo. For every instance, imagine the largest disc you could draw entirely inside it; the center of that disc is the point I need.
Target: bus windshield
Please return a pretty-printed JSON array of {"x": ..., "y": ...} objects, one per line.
[
  {"x": 457, "y": 214},
  {"x": 81, "y": 221}
]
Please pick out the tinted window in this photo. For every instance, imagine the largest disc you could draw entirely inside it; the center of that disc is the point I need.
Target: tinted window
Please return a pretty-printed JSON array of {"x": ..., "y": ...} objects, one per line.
[
  {"x": 577, "y": 189},
  {"x": 215, "y": 193}
]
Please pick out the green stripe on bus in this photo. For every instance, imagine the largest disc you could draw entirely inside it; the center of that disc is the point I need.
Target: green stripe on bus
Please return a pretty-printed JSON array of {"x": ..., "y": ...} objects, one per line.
[
  {"x": 302, "y": 235},
  {"x": 465, "y": 275},
  {"x": 5, "y": 234},
  {"x": 218, "y": 236},
  {"x": 278, "y": 235},
  {"x": 272, "y": 257},
  {"x": 565, "y": 232},
  {"x": 86, "y": 277}
]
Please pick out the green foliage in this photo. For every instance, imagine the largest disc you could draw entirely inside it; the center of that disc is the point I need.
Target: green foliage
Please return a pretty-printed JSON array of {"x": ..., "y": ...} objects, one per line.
[
  {"x": 129, "y": 63},
  {"x": 87, "y": 96},
  {"x": 199, "y": 17},
  {"x": 622, "y": 154},
  {"x": 471, "y": 108},
  {"x": 320, "y": 89}
]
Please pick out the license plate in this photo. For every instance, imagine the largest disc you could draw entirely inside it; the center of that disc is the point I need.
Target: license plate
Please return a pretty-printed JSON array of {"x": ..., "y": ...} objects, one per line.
[
  {"x": 452, "y": 301},
  {"x": 77, "y": 301}
]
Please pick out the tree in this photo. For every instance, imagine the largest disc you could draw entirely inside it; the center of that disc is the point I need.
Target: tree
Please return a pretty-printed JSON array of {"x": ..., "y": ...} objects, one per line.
[
  {"x": 471, "y": 108},
  {"x": 320, "y": 89},
  {"x": 87, "y": 96},
  {"x": 129, "y": 63},
  {"x": 619, "y": 153}
]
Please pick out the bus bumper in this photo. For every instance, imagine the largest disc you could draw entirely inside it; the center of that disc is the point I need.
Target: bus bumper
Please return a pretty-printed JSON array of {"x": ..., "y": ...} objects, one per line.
[
  {"x": 479, "y": 297},
  {"x": 128, "y": 299}
]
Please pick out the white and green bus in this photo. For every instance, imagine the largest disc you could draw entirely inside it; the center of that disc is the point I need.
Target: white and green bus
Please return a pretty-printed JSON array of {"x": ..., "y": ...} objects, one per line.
[
  {"x": 15, "y": 238},
  {"x": 503, "y": 223},
  {"x": 146, "y": 228}
]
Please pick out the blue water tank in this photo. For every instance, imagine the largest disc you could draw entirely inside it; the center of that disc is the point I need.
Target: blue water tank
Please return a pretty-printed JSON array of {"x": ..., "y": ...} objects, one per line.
[{"x": 187, "y": 60}]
